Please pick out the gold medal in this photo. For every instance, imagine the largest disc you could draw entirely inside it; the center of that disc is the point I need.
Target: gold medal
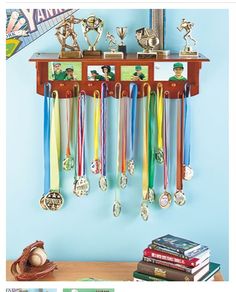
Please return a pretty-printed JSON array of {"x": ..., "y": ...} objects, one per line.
[
  {"x": 187, "y": 172},
  {"x": 130, "y": 167},
  {"x": 68, "y": 163},
  {"x": 123, "y": 181},
  {"x": 103, "y": 183},
  {"x": 42, "y": 203},
  {"x": 179, "y": 198},
  {"x": 165, "y": 200},
  {"x": 151, "y": 195},
  {"x": 116, "y": 208},
  {"x": 144, "y": 211},
  {"x": 53, "y": 201},
  {"x": 81, "y": 186}
]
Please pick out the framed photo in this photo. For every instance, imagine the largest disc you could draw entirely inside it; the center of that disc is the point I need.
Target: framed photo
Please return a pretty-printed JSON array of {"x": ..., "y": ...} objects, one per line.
[
  {"x": 170, "y": 71},
  {"x": 64, "y": 71},
  {"x": 101, "y": 73},
  {"x": 134, "y": 73}
]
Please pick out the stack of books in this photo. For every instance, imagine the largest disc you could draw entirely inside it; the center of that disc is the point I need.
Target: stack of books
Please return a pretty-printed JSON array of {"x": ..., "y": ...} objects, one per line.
[{"x": 171, "y": 258}]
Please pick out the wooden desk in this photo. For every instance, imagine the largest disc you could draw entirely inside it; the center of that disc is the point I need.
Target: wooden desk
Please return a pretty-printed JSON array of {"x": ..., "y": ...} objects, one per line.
[{"x": 107, "y": 271}]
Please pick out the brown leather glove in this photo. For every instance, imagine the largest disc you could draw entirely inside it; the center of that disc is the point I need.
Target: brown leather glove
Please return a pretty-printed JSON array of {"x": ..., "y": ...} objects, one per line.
[{"x": 22, "y": 270}]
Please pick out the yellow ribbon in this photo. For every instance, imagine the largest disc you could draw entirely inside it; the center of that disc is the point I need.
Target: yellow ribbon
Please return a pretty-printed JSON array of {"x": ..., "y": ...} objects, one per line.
[
  {"x": 145, "y": 183},
  {"x": 55, "y": 143},
  {"x": 159, "y": 116},
  {"x": 96, "y": 97}
]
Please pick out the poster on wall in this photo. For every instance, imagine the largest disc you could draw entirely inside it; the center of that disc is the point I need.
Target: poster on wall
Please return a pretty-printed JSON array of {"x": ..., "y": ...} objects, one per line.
[{"x": 23, "y": 26}]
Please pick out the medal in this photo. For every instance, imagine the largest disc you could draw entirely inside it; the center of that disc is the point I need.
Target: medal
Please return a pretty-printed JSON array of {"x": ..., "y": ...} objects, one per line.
[
  {"x": 144, "y": 210},
  {"x": 46, "y": 130},
  {"x": 160, "y": 152},
  {"x": 187, "y": 170},
  {"x": 123, "y": 180},
  {"x": 116, "y": 208},
  {"x": 151, "y": 195},
  {"x": 81, "y": 183},
  {"x": 53, "y": 201},
  {"x": 68, "y": 162},
  {"x": 132, "y": 126},
  {"x": 179, "y": 196},
  {"x": 103, "y": 124},
  {"x": 96, "y": 164},
  {"x": 165, "y": 198}
]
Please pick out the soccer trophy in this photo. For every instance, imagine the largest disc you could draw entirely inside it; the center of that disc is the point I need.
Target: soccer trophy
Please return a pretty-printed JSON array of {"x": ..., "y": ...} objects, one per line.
[{"x": 187, "y": 50}]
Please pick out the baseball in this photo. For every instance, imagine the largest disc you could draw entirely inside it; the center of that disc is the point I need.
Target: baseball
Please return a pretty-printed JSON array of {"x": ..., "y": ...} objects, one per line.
[{"x": 37, "y": 257}]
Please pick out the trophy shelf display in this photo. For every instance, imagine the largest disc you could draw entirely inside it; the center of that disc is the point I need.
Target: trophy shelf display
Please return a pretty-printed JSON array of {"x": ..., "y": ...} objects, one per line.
[{"x": 42, "y": 61}]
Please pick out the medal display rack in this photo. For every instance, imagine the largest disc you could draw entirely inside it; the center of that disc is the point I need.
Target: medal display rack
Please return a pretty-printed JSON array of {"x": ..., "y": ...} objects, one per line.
[{"x": 174, "y": 87}]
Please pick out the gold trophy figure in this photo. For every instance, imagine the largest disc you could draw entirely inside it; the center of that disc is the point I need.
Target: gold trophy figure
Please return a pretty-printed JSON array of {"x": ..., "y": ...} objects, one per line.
[
  {"x": 187, "y": 50},
  {"x": 113, "y": 54},
  {"x": 64, "y": 31},
  {"x": 122, "y": 31},
  {"x": 92, "y": 23},
  {"x": 147, "y": 38}
]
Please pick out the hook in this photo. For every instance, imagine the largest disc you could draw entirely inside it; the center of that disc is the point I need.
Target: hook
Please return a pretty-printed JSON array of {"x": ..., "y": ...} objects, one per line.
[
  {"x": 149, "y": 88},
  {"x": 187, "y": 88},
  {"x": 118, "y": 85},
  {"x": 96, "y": 94},
  {"x": 167, "y": 94},
  {"x": 75, "y": 90},
  {"x": 159, "y": 88},
  {"x": 68, "y": 93},
  {"x": 124, "y": 93}
]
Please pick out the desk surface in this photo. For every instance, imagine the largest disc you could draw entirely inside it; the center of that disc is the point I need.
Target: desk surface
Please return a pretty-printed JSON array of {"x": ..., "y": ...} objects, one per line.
[{"x": 106, "y": 271}]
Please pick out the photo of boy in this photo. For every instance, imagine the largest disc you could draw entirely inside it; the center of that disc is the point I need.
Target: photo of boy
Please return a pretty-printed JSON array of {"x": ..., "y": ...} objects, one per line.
[
  {"x": 178, "y": 68},
  {"x": 108, "y": 74},
  {"x": 138, "y": 74},
  {"x": 95, "y": 76},
  {"x": 70, "y": 73},
  {"x": 58, "y": 73}
]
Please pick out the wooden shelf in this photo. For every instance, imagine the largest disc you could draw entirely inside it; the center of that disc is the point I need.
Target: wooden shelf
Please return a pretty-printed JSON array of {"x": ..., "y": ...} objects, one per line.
[
  {"x": 42, "y": 60},
  {"x": 106, "y": 271}
]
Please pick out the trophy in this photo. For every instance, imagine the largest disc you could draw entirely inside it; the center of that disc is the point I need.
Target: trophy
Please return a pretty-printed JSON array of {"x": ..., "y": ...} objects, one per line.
[
  {"x": 122, "y": 31},
  {"x": 113, "y": 54},
  {"x": 187, "y": 50},
  {"x": 64, "y": 31},
  {"x": 92, "y": 23},
  {"x": 147, "y": 38}
]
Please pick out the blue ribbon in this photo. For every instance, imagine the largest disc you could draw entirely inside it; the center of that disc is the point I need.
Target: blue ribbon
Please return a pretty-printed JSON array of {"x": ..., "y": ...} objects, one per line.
[
  {"x": 133, "y": 88},
  {"x": 46, "y": 127},
  {"x": 187, "y": 124},
  {"x": 103, "y": 127}
]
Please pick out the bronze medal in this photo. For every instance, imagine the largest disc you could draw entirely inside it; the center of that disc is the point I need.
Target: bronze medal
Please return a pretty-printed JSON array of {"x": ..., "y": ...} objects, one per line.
[{"x": 53, "y": 201}]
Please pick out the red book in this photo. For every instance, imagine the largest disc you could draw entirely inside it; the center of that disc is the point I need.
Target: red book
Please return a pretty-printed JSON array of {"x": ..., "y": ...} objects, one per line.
[{"x": 148, "y": 252}]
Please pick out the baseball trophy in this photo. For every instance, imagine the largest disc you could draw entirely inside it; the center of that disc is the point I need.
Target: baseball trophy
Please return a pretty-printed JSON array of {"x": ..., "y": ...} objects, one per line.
[
  {"x": 187, "y": 50},
  {"x": 95, "y": 24},
  {"x": 122, "y": 31},
  {"x": 113, "y": 54},
  {"x": 64, "y": 31},
  {"x": 147, "y": 38}
]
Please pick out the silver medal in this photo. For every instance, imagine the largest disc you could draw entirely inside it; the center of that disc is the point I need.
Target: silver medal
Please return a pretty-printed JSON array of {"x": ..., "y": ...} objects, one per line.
[
  {"x": 151, "y": 195},
  {"x": 130, "y": 167},
  {"x": 95, "y": 166},
  {"x": 123, "y": 181},
  {"x": 165, "y": 200},
  {"x": 53, "y": 201},
  {"x": 103, "y": 183},
  {"x": 68, "y": 163},
  {"x": 160, "y": 156},
  {"x": 187, "y": 172},
  {"x": 81, "y": 186},
  {"x": 116, "y": 208},
  {"x": 144, "y": 211},
  {"x": 179, "y": 198}
]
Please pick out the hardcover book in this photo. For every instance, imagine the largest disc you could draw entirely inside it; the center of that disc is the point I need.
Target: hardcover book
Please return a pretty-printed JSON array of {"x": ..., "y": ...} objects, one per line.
[
  {"x": 177, "y": 244},
  {"x": 169, "y": 273}
]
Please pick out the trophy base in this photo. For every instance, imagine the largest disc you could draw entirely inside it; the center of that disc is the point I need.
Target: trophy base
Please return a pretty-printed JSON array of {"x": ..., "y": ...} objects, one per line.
[
  {"x": 122, "y": 48},
  {"x": 113, "y": 55},
  {"x": 92, "y": 54},
  {"x": 71, "y": 54},
  {"x": 143, "y": 55},
  {"x": 163, "y": 53},
  {"x": 188, "y": 54}
]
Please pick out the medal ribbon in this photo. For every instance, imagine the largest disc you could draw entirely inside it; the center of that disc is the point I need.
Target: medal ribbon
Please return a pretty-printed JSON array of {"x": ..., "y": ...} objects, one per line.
[
  {"x": 159, "y": 116},
  {"x": 123, "y": 124},
  {"x": 145, "y": 142},
  {"x": 133, "y": 96},
  {"x": 151, "y": 141},
  {"x": 187, "y": 125},
  {"x": 55, "y": 141},
  {"x": 103, "y": 114},
  {"x": 75, "y": 124},
  {"x": 68, "y": 120},
  {"x": 180, "y": 121},
  {"x": 165, "y": 142},
  {"x": 46, "y": 126},
  {"x": 96, "y": 98},
  {"x": 81, "y": 134}
]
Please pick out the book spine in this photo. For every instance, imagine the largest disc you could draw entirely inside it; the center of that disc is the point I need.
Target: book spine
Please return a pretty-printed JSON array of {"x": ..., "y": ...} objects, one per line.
[
  {"x": 165, "y": 257},
  {"x": 163, "y": 272},
  {"x": 163, "y": 249},
  {"x": 168, "y": 264},
  {"x": 170, "y": 248},
  {"x": 145, "y": 277}
]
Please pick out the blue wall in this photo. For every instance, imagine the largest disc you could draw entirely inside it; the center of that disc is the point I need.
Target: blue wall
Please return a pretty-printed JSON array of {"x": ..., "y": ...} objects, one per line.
[{"x": 85, "y": 228}]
